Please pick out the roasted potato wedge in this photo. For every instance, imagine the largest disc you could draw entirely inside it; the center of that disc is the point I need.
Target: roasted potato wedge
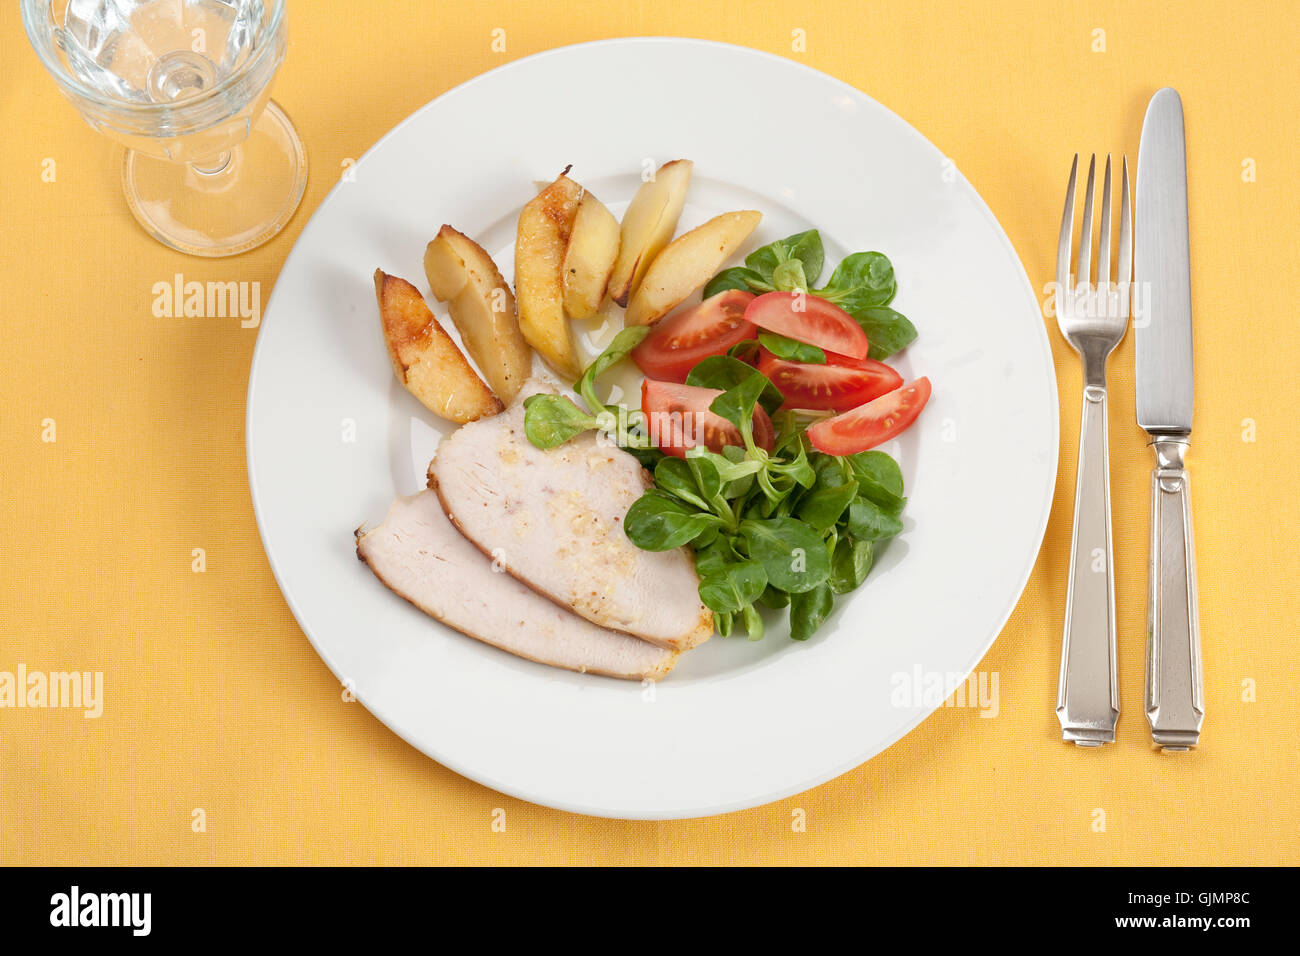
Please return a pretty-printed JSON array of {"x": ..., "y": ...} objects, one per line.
[
  {"x": 425, "y": 359},
  {"x": 545, "y": 225},
  {"x": 482, "y": 307},
  {"x": 648, "y": 226},
  {"x": 687, "y": 263},
  {"x": 589, "y": 258}
]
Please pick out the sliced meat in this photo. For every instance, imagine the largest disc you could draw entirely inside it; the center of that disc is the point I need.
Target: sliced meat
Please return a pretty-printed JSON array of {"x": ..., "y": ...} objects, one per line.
[
  {"x": 554, "y": 519},
  {"x": 418, "y": 554}
]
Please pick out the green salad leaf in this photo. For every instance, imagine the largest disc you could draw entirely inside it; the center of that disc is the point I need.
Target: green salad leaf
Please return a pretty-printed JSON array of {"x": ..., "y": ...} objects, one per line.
[
  {"x": 551, "y": 420},
  {"x": 869, "y": 522},
  {"x": 879, "y": 478},
  {"x": 659, "y": 522},
  {"x": 800, "y": 257},
  {"x": 809, "y": 610},
  {"x": 791, "y": 552},
  {"x": 733, "y": 587},
  {"x": 676, "y": 477},
  {"x": 850, "y": 563},
  {"x": 774, "y": 598},
  {"x": 737, "y": 403},
  {"x": 747, "y": 280},
  {"x": 725, "y": 372},
  {"x": 822, "y": 507},
  {"x": 861, "y": 280},
  {"x": 790, "y": 349},
  {"x": 887, "y": 331},
  {"x": 788, "y": 276}
]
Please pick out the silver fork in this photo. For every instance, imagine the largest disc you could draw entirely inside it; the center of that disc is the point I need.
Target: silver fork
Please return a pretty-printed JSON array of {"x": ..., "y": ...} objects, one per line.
[{"x": 1093, "y": 318}]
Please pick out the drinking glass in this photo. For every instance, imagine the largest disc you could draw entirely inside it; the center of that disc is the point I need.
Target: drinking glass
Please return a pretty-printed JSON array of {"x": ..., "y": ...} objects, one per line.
[{"x": 212, "y": 166}]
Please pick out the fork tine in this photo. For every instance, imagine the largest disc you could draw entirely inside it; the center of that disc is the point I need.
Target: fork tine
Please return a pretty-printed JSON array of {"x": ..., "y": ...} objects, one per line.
[
  {"x": 1083, "y": 276},
  {"x": 1125, "y": 273},
  {"x": 1067, "y": 227},
  {"x": 1103, "y": 237}
]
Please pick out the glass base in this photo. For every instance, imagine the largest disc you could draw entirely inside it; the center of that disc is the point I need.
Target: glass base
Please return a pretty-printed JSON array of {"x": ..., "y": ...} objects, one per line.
[{"x": 226, "y": 210}]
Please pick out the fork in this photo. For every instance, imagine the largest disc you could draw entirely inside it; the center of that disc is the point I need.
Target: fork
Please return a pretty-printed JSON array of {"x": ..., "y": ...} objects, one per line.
[{"x": 1093, "y": 318}]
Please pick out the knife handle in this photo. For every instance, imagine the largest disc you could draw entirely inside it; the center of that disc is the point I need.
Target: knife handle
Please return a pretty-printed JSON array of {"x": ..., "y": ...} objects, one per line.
[
  {"x": 1087, "y": 702},
  {"x": 1174, "y": 691}
]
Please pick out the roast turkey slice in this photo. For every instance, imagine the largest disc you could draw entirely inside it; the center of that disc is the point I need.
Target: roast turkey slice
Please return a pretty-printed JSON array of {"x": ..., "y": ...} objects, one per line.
[
  {"x": 419, "y": 555},
  {"x": 554, "y": 520}
]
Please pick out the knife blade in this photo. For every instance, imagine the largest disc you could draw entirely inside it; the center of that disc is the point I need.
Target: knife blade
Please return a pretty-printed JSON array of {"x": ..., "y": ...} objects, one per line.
[
  {"x": 1162, "y": 294},
  {"x": 1162, "y": 310}
]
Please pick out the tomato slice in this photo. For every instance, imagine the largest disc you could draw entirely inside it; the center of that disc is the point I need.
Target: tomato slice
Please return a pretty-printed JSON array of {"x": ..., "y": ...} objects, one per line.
[
  {"x": 842, "y": 383},
  {"x": 679, "y": 418},
  {"x": 681, "y": 341},
  {"x": 871, "y": 424},
  {"x": 810, "y": 319}
]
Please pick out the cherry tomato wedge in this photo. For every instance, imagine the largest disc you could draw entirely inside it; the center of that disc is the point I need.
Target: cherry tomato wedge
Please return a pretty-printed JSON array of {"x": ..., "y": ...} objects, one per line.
[
  {"x": 811, "y": 319},
  {"x": 871, "y": 424},
  {"x": 681, "y": 341},
  {"x": 679, "y": 418},
  {"x": 842, "y": 383}
]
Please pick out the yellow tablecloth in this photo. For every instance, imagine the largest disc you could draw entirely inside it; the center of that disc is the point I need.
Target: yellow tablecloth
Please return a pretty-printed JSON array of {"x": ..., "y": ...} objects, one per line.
[{"x": 224, "y": 739}]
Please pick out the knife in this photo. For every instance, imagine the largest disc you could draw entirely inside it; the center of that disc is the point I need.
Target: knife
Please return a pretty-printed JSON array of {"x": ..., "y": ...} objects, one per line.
[{"x": 1162, "y": 309}]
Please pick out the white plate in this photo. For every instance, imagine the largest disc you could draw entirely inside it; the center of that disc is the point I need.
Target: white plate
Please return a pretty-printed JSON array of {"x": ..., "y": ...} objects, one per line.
[{"x": 332, "y": 439}]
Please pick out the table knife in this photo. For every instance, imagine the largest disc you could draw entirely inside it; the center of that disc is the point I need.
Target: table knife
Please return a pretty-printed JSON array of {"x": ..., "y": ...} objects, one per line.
[{"x": 1162, "y": 309}]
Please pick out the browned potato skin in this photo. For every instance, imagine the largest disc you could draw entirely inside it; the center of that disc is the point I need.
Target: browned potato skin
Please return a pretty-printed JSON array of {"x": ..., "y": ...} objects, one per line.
[
  {"x": 425, "y": 359},
  {"x": 545, "y": 224},
  {"x": 482, "y": 308}
]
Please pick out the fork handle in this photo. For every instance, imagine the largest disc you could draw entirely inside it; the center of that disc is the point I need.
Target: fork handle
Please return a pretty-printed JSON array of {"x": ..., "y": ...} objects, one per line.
[
  {"x": 1174, "y": 691},
  {"x": 1088, "y": 701}
]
